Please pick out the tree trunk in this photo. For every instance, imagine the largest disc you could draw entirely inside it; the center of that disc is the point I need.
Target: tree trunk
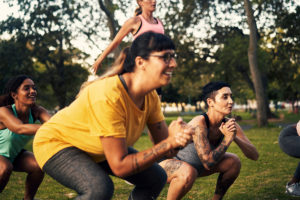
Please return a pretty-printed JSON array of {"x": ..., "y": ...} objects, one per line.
[
  {"x": 255, "y": 73},
  {"x": 107, "y": 7}
]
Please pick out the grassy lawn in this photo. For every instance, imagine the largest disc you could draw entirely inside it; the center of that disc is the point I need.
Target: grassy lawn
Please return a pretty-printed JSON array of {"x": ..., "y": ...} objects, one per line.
[{"x": 263, "y": 179}]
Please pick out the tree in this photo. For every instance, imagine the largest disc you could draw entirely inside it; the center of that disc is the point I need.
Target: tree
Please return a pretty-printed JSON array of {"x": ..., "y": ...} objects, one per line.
[
  {"x": 48, "y": 28},
  {"x": 260, "y": 93}
]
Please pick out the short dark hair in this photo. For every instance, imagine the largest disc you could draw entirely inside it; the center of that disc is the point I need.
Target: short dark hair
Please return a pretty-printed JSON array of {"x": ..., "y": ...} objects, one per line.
[{"x": 209, "y": 90}]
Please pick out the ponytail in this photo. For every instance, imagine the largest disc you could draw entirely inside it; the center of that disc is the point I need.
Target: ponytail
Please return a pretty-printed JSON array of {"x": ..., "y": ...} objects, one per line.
[
  {"x": 138, "y": 11},
  {"x": 122, "y": 64}
]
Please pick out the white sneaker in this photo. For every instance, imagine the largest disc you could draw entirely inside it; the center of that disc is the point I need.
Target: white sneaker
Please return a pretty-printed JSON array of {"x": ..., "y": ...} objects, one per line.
[{"x": 293, "y": 189}]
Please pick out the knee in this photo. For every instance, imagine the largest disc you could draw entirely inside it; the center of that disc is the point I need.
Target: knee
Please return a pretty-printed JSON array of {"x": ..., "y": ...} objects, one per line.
[
  {"x": 235, "y": 164},
  {"x": 5, "y": 169},
  {"x": 100, "y": 190},
  {"x": 34, "y": 167},
  {"x": 187, "y": 175}
]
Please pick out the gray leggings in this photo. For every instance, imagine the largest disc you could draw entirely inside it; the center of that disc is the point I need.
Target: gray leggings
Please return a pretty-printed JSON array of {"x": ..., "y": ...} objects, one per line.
[
  {"x": 289, "y": 142},
  {"x": 74, "y": 169}
]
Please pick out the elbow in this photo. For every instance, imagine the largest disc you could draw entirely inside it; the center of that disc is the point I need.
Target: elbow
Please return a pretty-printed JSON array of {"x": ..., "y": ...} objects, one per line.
[
  {"x": 254, "y": 156},
  {"x": 19, "y": 130},
  {"x": 120, "y": 172}
]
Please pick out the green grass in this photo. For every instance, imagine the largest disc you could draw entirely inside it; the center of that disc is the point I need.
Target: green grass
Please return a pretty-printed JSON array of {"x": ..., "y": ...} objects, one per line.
[{"x": 258, "y": 180}]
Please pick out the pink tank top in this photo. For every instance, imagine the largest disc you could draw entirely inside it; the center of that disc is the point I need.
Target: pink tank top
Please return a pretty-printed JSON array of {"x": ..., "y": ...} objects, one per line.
[{"x": 146, "y": 26}]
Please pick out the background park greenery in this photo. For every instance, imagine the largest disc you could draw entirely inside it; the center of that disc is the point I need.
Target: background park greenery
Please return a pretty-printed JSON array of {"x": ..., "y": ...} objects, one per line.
[
  {"x": 262, "y": 179},
  {"x": 212, "y": 39}
]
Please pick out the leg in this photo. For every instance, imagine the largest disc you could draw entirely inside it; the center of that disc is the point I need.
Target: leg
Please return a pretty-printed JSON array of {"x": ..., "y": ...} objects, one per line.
[
  {"x": 229, "y": 169},
  {"x": 5, "y": 171},
  {"x": 25, "y": 162},
  {"x": 289, "y": 142},
  {"x": 148, "y": 183},
  {"x": 181, "y": 177},
  {"x": 296, "y": 177},
  {"x": 74, "y": 169}
]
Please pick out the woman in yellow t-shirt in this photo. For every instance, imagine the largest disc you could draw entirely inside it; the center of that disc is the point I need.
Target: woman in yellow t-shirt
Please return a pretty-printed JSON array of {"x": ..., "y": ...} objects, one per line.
[{"x": 84, "y": 143}]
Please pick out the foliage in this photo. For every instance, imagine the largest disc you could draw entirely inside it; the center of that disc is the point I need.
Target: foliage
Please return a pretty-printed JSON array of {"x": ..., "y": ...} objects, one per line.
[
  {"x": 47, "y": 29},
  {"x": 285, "y": 71}
]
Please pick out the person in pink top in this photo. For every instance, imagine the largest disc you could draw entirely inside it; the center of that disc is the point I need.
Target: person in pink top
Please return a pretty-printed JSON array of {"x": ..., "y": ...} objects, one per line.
[{"x": 142, "y": 22}]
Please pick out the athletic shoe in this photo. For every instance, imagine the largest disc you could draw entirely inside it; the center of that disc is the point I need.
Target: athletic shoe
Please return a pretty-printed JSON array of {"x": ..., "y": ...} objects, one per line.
[
  {"x": 127, "y": 182},
  {"x": 293, "y": 189}
]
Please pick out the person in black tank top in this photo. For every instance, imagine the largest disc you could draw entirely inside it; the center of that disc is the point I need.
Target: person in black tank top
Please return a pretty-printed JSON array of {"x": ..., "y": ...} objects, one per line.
[{"x": 207, "y": 154}]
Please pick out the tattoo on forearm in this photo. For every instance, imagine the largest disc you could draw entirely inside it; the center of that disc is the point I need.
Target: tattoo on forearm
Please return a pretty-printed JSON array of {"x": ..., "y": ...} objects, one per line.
[
  {"x": 135, "y": 164},
  {"x": 206, "y": 155},
  {"x": 219, "y": 152},
  {"x": 148, "y": 154},
  {"x": 171, "y": 166},
  {"x": 160, "y": 147}
]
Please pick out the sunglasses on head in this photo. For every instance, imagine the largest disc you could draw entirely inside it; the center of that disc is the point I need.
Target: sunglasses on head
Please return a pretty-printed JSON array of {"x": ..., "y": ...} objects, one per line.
[{"x": 166, "y": 57}]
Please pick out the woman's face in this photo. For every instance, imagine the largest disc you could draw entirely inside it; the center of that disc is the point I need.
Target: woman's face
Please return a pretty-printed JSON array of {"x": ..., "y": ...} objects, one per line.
[
  {"x": 160, "y": 66},
  {"x": 149, "y": 5},
  {"x": 26, "y": 93},
  {"x": 223, "y": 101}
]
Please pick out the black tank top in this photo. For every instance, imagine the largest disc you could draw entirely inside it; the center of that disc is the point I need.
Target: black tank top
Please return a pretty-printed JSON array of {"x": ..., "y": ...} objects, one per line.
[{"x": 207, "y": 125}]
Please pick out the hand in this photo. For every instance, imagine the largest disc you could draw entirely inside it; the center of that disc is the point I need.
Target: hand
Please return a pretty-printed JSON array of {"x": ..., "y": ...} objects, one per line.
[
  {"x": 180, "y": 133},
  {"x": 95, "y": 67},
  {"x": 228, "y": 128}
]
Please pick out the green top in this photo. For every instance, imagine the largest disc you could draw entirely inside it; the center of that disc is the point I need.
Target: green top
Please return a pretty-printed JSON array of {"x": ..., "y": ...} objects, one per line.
[{"x": 11, "y": 143}]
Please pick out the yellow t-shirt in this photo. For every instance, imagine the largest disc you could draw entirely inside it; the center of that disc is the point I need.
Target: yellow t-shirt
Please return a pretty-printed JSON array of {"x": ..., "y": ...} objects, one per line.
[{"x": 104, "y": 108}]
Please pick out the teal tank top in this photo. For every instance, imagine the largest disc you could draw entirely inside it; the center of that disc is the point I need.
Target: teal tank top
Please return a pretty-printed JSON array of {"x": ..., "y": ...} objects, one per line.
[{"x": 11, "y": 143}]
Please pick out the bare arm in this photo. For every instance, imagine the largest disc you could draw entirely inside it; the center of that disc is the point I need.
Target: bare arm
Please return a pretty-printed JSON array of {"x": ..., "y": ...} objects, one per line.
[
  {"x": 245, "y": 145},
  {"x": 129, "y": 26},
  {"x": 208, "y": 156},
  {"x": 14, "y": 124},
  {"x": 124, "y": 164},
  {"x": 41, "y": 113},
  {"x": 159, "y": 131}
]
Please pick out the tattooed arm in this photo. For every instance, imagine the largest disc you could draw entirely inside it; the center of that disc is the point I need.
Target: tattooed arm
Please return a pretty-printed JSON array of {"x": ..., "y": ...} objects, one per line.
[
  {"x": 208, "y": 156},
  {"x": 124, "y": 164}
]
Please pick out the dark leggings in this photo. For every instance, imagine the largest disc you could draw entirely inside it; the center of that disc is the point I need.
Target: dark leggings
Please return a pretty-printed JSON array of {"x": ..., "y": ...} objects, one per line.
[
  {"x": 289, "y": 142},
  {"x": 74, "y": 169}
]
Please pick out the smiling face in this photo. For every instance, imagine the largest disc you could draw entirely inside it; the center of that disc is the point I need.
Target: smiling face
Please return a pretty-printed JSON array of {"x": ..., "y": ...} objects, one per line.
[
  {"x": 160, "y": 66},
  {"x": 222, "y": 102},
  {"x": 26, "y": 93}
]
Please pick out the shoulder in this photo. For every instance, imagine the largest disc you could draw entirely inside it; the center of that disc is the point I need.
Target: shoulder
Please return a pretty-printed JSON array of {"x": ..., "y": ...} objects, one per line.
[
  {"x": 133, "y": 21},
  {"x": 198, "y": 121},
  {"x": 6, "y": 112},
  {"x": 37, "y": 109},
  {"x": 107, "y": 89},
  {"x": 5, "y": 109}
]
